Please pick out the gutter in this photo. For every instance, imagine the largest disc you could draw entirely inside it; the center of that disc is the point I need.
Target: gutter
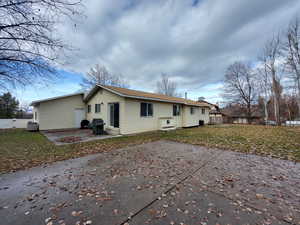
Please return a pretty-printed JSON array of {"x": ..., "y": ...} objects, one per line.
[
  {"x": 143, "y": 98},
  {"x": 54, "y": 98}
]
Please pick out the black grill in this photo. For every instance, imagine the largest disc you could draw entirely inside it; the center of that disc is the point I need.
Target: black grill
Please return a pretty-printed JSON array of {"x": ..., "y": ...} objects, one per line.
[
  {"x": 97, "y": 122},
  {"x": 98, "y": 126}
]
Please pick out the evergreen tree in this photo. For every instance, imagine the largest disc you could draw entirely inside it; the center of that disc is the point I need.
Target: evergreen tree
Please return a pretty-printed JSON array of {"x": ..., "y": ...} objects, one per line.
[{"x": 8, "y": 105}]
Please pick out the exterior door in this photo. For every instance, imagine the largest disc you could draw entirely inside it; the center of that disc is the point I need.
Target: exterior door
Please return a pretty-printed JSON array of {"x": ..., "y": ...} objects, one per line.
[
  {"x": 114, "y": 114},
  {"x": 79, "y": 116}
]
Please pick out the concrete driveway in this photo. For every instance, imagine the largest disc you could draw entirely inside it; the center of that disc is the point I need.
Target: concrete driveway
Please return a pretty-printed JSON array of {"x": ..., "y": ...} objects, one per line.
[{"x": 155, "y": 183}]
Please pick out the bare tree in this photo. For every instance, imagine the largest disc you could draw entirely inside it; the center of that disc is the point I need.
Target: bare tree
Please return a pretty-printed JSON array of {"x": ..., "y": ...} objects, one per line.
[
  {"x": 100, "y": 75},
  {"x": 25, "y": 111},
  {"x": 265, "y": 87},
  {"x": 28, "y": 43},
  {"x": 292, "y": 49},
  {"x": 239, "y": 86},
  {"x": 25, "y": 106},
  {"x": 167, "y": 87},
  {"x": 270, "y": 59},
  {"x": 289, "y": 106}
]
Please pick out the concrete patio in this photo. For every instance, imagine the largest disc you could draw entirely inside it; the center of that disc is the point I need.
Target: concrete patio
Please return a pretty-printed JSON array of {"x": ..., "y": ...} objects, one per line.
[
  {"x": 161, "y": 182},
  {"x": 69, "y": 136}
]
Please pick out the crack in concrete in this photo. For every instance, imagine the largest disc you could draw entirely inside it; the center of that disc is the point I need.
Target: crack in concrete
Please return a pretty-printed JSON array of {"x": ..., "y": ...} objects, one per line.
[
  {"x": 215, "y": 156},
  {"x": 249, "y": 206}
]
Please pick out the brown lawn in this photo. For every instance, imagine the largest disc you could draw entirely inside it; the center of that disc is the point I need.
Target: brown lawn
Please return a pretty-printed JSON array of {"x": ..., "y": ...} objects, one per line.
[{"x": 20, "y": 149}]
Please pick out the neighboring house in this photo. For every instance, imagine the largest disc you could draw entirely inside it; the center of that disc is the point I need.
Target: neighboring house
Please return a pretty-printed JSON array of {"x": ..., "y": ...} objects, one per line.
[
  {"x": 215, "y": 115},
  {"x": 236, "y": 116},
  {"x": 124, "y": 111},
  {"x": 243, "y": 119}
]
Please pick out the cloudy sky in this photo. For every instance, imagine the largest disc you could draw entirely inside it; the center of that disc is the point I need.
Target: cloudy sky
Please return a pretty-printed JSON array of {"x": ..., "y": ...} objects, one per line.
[{"x": 191, "y": 40}]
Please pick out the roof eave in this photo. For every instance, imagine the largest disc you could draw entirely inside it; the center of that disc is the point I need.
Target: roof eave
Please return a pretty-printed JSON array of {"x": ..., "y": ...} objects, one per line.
[
  {"x": 136, "y": 97},
  {"x": 34, "y": 103},
  {"x": 91, "y": 93}
]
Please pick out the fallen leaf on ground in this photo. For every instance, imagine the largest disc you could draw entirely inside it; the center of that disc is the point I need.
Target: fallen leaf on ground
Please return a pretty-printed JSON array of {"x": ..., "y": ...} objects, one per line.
[{"x": 259, "y": 196}]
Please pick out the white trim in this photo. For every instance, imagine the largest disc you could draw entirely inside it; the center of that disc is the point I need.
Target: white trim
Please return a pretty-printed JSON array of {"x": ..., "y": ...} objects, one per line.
[
  {"x": 108, "y": 111},
  {"x": 113, "y": 91},
  {"x": 147, "y": 109},
  {"x": 146, "y": 98},
  {"x": 54, "y": 98}
]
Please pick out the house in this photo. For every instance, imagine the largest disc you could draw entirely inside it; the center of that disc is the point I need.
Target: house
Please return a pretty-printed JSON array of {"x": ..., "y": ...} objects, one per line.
[
  {"x": 215, "y": 115},
  {"x": 124, "y": 111},
  {"x": 243, "y": 119},
  {"x": 237, "y": 115}
]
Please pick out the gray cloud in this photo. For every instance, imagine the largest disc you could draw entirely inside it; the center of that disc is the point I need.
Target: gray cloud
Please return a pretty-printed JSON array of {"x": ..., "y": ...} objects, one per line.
[{"x": 194, "y": 44}]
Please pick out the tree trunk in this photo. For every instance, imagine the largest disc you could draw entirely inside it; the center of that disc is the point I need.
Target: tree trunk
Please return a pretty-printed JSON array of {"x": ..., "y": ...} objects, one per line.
[
  {"x": 266, "y": 109},
  {"x": 249, "y": 113},
  {"x": 289, "y": 111},
  {"x": 275, "y": 108},
  {"x": 298, "y": 96},
  {"x": 297, "y": 85},
  {"x": 276, "y": 99}
]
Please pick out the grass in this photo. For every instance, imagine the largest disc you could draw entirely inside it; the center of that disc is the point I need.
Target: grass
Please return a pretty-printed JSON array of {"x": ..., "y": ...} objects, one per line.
[
  {"x": 277, "y": 142},
  {"x": 20, "y": 149}
]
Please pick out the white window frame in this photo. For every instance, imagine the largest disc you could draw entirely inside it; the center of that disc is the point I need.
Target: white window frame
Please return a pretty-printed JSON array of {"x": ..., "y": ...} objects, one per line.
[
  {"x": 178, "y": 110},
  {"x": 192, "y": 110},
  {"x": 147, "y": 109},
  {"x": 96, "y": 108}
]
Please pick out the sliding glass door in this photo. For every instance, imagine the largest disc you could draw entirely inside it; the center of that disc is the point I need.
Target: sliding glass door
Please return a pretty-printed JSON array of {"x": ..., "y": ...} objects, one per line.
[{"x": 114, "y": 114}]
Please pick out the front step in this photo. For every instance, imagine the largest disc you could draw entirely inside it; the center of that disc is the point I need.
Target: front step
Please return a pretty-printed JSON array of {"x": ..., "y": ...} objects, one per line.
[{"x": 112, "y": 130}]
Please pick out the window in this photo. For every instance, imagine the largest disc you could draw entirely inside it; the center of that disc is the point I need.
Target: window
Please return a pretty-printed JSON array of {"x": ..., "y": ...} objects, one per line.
[
  {"x": 97, "y": 108},
  {"x": 176, "y": 110},
  {"x": 146, "y": 109},
  {"x": 35, "y": 115},
  {"x": 203, "y": 111},
  {"x": 89, "y": 108},
  {"x": 192, "y": 110}
]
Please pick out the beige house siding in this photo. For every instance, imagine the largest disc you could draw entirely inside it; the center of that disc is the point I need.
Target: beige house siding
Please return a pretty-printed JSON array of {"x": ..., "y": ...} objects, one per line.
[
  {"x": 205, "y": 116},
  {"x": 103, "y": 98},
  {"x": 216, "y": 119},
  {"x": 134, "y": 123},
  {"x": 130, "y": 119},
  {"x": 240, "y": 120},
  {"x": 190, "y": 120},
  {"x": 179, "y": 118},
  {"x": 58, "y": 113}
]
